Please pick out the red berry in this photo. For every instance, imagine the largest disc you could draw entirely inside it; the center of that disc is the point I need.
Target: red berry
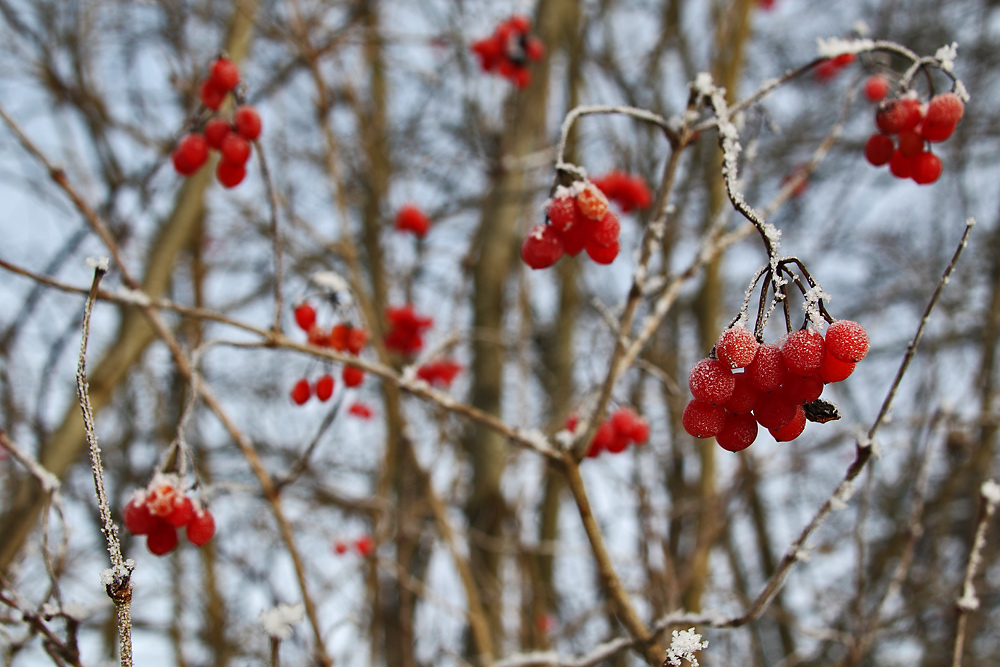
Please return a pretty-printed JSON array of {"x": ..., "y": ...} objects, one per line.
[
  {"x": 338, "y": 337},
  {"x": 911, "y": 144},
  {"x": 592, "y": 202},
  {"x": 216, "y": 131},
  {"x": 356, "y": 339},
  {"x": 826, "y": 70},
  {"x": 339, "y": 548},
  {"x": 137, "y": 517},
  {"x": 926, "y": 168},
  {"x": 235, "y": 149},
  {"x": 224, "y": 74},
  {"x": 542, "y": 248},
  {"x": 835, "y": 370},
  {"x": 563, "y": 214},
  {"x": 744, "y": 396},
  {"x": 162, "y": 539},
  {"x": 301, "y": 392},
  {"x": 605, "y": 231},
  {"x": 767, "y": 370},
  {"x": 410, "y": 218},
  {"x": 211, "y": 95},
  {"x": 703, "y": 420},
  {"x": 201, "y": 529},
  {"x": 792, "y": 429},
  {"x": 160, "y": 500},
  {"x": 305, "y": 316},
  {"x": 943, "y": 113},
  {"x": 876, "y": 88},
  {"x": 360, "y": 410},
  {"x": 844, "y": 59},
  {"x": 803, "y": 351},
  {"x": 353, "y": 376},
  {"x": 898, "y": 115},
  {"x": 879, "y": 149},
  {"x": 736, "y": 346},
  {"x": 317, "y": 336},
  {"x": 847, "y": 340},
  {"x": 324, "y": 387},
  {"x": 534, "y": 49},
  {"x": 774, "y": 411},
  {"x": 711, "y": 381},
  {"x": 181, "y": 513},
  {"x": 191, "y": 153},
  {"x": 799, "y": 389},
  {"x": 365, "y": 545},
  {"x": 247, "y": 122},
  {"x": 900, "y": 166},
  {"x": 230, "y": 175},
  {"x": 738, "y": 432},
  {"x": 603, "y": 254},
  {"x": 519, "y": 23}
]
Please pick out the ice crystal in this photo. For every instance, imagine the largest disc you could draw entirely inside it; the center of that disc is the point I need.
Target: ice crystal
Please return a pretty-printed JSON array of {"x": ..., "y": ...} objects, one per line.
[
  {"x": 683, "y": 646},
  {"x": 278, "y": 621}
]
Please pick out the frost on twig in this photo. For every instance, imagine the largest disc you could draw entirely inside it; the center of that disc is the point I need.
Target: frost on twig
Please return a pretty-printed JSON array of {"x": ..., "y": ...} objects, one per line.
[
  {"x": 683, "y": 646},
  {"x": 278, "y": 621}
]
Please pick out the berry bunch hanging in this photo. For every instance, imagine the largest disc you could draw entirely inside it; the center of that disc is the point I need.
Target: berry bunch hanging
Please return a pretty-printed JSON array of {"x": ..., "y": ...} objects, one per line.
[
  {"x": 622, "y": 428},
  {"x": 406, "y": 330},
  {"x": 231, "y": 138},
  {"x": 342, "y": 337},
  {"x": 509, "y": 50},
  {"x": 578, "y": 219},
  {"x": 907, "y": 128},
  {"x": 440, "y": 372},
  {"x": 160, "y": 509}
]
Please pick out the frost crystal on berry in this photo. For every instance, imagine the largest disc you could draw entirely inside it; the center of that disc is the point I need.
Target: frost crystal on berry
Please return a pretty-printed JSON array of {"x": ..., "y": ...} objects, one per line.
[{"x": 683, "y": 646}]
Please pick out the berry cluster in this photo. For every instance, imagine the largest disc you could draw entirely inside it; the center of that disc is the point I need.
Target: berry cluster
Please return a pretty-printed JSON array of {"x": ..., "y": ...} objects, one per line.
[
  {"x": 578, "y": 219},
  {"x": 915, "y": 126},
  {"x": 411, "y": 219},
  {"x": 160, "y": 509},
  {"x": 831, "y": 67},
  {"x": 342, "y": 337},
  {"x": 629, "y": 192},
  {"x": 406, "y": 330},
  {"x": 440, "y": 373},
  {"x": 775, "y": 385},
  {"x": 622, "y": 428},
  {"x": 231, "y": 138},
  {"x": 509, "y": 50},
  {"x": 364, "y": 545}
]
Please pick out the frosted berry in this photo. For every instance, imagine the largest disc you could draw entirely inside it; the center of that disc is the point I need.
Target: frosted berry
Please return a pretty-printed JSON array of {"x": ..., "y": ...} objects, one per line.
[
  {"x": 926, "y": 168},
  {"x": 305, "y": 316},
  {"x": 191, "y": 153},
  {"x": 799, "y": 389},
  {"x": 711, "y": 381},
  {"x": 738, "y": 432},
  {"x": 774, "y": 411},
  {"x": 605, "y": 231},
  {"x": 201, "y": 528},
  {"x": 211, "y": 95},
  {"x": 879, "y": 149},
  {"x": 847, "y": 340},
  {"x": 162, "y": 539},
  {"x": 736, "y": 346},
  {"x": 352, "y": 376},
  {"x": 898, "y": 115},
  {"x": 235, "y": 149},
  {"x": 230, "y": 175},
  {"x": 542, "y": 248},
  {"x": 876, "y": 88},
  {"x": 216, "y": 131},
  {"x": 181, "y": 512},
  {"x": 803, "y": 351},
  {"x": 247, "y": 122},
  {"x": 603, "y": 254},
  {"x": 835, "y": 370},
  {"x": 592, "y": 202},
  {"x": 301, "y": 392},
  {"x": 563, "y": 214},
  {"x": 137, "y": 517},
  {"x": 767, "y": 370},
  {"x": 703, "y": 420},
  {"x": 224, "y": 74},
  {"x": 911, "y": 144},
  {"x": 943, "y": 113},
  {"x": 744, "y": 396},
  {"x": 324, "y": 387},
  {"x": 792, "y": 429}
]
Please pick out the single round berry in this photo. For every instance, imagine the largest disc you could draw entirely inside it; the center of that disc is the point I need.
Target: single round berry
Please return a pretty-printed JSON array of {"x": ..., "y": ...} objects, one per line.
[
  {"x": 799, "y": 389},
  {"x": 301, "y": 392},
  {"x": 230, "y": 175},
  {"x": 216, "y": 131},
  {"x": 943, "y": 113},
  {"x": 792, "y": 429},
  {"x": 900, "y": 166},
  {"x": 162, "y": 539},
  {"x": 592, "y": 202},
  {"x": 534, "y": 49},
  {"x": 605, "y": 231},
  {"x": 876, "y": 88},
  {"x": 738, "y": 432},
  {"x": 247, "y": 122},
  {"x": 305, "y": 316},
  {"x": 235, "y": 149},
  {"x": 736, "y": 346},
  {"x": 744, "y": 396},
  {"x": 879, "y": 149},
  {"x": 542, "y": 248},
  {"x": 352, "y": 376},
  {"x": 575, "y": 237},
  {"x": 410, "y": 218},
  {"x": 201, "y": 528},
  {"x": 191, "y": 153},
  {"x": 137, "y": 517},
  {"x": 211, "y": 95},
  {"x": 324, "y": 387},
  {"x": 774, "y": 411},
  {"x": 365, "y": 546},
  {"x": 711, "y": 381},
  {"x": 703, "y": 420},
  {"x": 356, "y": 339},
  {"x": 224, "y": 74},
  {"x": 603, "y": 254},
  {"x": 835, "y": 370},
  {"x": 926, "y": 168},
  {"x": 898, "y": 115},
  {"x": 181, "y": 513},
  {"x": 847, "y": 340},
  {"x": 767, "y": 370},
  {"x": 911, "y": 144},
  {"x": 844, "y": 59},
  {"x": 563, "y": 214},
  {"x": 803, "y": 351}
]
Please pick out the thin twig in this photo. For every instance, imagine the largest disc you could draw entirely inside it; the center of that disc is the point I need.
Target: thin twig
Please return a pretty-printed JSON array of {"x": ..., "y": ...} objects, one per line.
[{"x": 989, "y": 498}]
